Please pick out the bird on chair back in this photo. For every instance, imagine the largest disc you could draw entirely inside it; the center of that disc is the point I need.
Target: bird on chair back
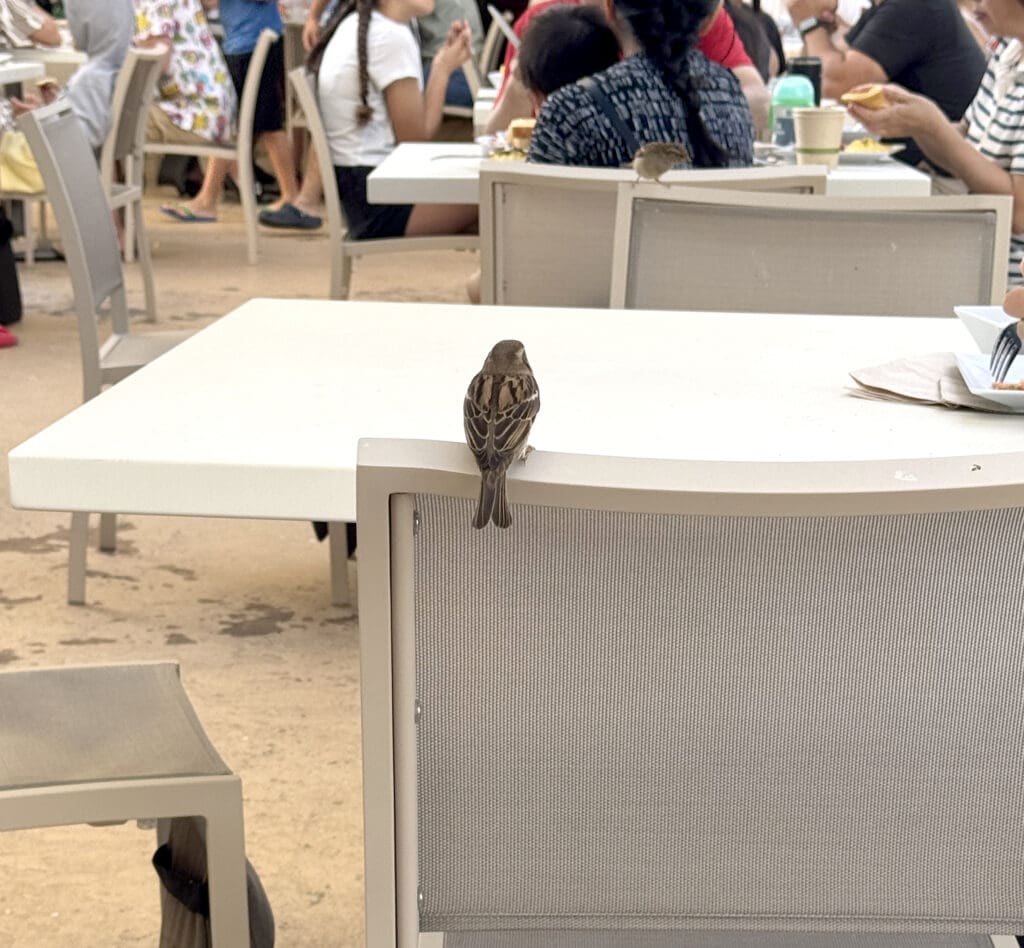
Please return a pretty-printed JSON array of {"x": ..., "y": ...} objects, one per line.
[
  {"x": 500, "y": 405},
  {"x": 652, "y": 160}
]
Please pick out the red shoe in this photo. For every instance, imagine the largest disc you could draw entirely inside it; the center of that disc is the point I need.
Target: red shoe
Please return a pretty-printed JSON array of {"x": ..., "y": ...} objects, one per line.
[{"x": 7, "y": 338}]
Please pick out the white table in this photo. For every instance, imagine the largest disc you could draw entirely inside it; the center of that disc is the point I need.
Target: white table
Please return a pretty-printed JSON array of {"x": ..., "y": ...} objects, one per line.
[
  {"x": 57, "y": 61},
  {"x": 449, "y": 173},
  {"x": 483, "y": 105},
  {"x": 235, "y": 423},
  {"x": 20, "y": 70}
]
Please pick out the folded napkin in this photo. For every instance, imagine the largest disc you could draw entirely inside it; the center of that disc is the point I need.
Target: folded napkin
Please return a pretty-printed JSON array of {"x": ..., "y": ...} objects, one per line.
[{"x": 932, "y": 379}]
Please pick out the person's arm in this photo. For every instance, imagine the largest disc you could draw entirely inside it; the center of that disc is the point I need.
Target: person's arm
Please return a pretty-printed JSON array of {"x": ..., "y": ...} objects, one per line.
[
  {"x": 515, "y": 103},
  {"x": 311, "y": 28},
  {"x": 944, "y": 144},
  {"x": 756, "y": 93},
  {"x": 34, "y": 22},
  {"x": 158, "y": 42},
  {"x": 416, "y": 117}
]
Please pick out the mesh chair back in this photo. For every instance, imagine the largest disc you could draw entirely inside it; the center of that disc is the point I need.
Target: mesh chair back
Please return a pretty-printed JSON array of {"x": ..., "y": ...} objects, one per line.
[
  {"x": 548, "y": 233},
  {"x": 133, "y": 93},
  {"x": 902, "y": 257},
  {"x": 73, "y": 186},
  {"x": 648, "y": 724}
]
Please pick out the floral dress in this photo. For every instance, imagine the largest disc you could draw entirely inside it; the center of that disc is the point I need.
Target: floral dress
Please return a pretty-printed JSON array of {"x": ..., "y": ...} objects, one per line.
[{"x": 196, "y": 93}]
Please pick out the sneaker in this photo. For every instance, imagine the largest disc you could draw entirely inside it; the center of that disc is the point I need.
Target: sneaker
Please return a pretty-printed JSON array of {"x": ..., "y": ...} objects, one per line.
[{"x": 7, "y": 338}]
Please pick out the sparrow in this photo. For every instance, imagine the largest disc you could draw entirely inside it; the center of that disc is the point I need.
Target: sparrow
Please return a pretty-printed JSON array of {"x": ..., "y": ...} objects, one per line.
[
  {"x": 501, "y": 403},
  {"x": 655, "y": 158}
]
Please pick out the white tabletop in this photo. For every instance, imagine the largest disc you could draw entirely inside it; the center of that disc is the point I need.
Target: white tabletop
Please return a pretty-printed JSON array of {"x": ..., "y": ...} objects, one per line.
[
  {"x": 56, "y": 55},
  {"x": 238, "y": 421},
  {"x": 449, "y": 173},
  {"x": 17, "y": 70}
]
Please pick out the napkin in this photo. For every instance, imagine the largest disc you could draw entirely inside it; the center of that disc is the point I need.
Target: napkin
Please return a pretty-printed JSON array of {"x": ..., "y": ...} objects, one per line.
[{"x": 932, "y": 379}]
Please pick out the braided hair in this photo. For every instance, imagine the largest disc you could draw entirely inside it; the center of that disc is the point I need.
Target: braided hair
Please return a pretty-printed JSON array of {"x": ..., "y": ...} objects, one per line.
[
  {"x": 363, "y": 9},
  {"x": 667, "y": 30}
]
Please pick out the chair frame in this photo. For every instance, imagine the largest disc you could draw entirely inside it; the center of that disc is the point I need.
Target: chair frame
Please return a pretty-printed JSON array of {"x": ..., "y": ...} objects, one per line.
[
  {"x": 392, "y": 472},
  {"x": 1000, "y": 205},
  {"x": 123, "y": 352},
  {"x": 215, "y": 798},
  {"x": 125, "y": 143},
  {"x": 495, "y": 176},
  {"x": 241, "y": 150}
]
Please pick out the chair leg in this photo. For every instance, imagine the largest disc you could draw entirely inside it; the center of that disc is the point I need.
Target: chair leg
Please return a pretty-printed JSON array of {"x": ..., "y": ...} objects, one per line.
[
  {"x": 247, "y": 185},
  {"x": 225, "y": 864},
  {"x": 337, "y": 546},
  {"x": 145, "y": 261},
  {"x": 78, "y": 540},
  {"x": 108, "y": 532},
  {"x": 30, "y": 233}
]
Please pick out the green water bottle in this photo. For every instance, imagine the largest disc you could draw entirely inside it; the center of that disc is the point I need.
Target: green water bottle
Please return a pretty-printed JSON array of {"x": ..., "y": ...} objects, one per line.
[{"x": 790, "y": 92}]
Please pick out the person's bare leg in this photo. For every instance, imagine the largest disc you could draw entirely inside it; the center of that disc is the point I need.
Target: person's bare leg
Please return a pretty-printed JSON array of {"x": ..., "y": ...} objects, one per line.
[
  {"x": 311, "y": 195},
  {"x": 206, "y": 201},
  {"x": 279, "y": 151},
  {"x": 442, "y": 219}
]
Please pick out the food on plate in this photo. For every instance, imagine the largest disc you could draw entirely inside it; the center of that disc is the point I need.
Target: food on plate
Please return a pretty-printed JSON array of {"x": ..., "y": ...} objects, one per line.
[
  {"x": 868, "y": 146},
  {"x": 1009, "y": 386},
  {"x": 507, "y": 155},
  {"x": 870, "y": 97},
  {"x": 519, "y": 133}
]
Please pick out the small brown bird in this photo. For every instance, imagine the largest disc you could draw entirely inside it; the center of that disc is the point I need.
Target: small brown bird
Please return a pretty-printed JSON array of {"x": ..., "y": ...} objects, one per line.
[
  {"x": 652, "y": 160},
  {"x": 501, "y": 403}
]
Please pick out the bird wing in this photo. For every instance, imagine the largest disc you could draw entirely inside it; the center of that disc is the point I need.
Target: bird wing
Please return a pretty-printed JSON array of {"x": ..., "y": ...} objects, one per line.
[{"x": 498, "y": 414}]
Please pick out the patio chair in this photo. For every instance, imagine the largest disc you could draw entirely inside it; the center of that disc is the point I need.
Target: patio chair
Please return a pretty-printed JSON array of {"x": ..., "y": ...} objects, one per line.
[
  {"x": 715, "y": 250},
  {"x": 241, "y": 150},
  {"x": 106, "y": 744},
  {"x": 689, "y": 703},
  {"x": 133, "y": 95},
  {"x": 74, "y": 189},
  {"x": 344, "y": 250},
  {"x": 546, "y": 232}
]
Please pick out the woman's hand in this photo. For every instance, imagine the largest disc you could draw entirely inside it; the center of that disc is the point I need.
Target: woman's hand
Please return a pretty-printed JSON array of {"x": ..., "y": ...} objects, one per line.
[
  {"x": 907, "y": 115},
  {"x": 20, "y": 106},
  {"x": 457, "y": 48}
]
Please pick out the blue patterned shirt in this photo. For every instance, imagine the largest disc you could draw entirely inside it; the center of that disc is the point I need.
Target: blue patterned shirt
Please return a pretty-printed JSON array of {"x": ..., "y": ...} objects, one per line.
[{"x": 571, "y": 129}]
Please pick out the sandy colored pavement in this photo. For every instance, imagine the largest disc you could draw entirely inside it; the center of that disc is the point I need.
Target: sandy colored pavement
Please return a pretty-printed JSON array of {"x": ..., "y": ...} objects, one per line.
[{"x": 244, "y": 606}]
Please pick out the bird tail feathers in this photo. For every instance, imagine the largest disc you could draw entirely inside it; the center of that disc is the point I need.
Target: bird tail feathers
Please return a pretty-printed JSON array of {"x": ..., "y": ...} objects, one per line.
[{"x": 493, "y": 503}]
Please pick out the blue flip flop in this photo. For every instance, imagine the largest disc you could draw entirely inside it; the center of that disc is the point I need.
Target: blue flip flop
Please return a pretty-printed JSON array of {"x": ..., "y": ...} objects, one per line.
[
  {"x": 181, "y": 213},
  {"x": 288, "y": 215}
]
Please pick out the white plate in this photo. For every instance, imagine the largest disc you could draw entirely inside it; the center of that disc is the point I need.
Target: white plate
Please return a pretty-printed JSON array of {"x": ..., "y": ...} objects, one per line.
[
  {"x": 494, "y": 78},
  {"x": 974, "y": 368},
  {"x": 984, "y": 323},
  {"x": 868, "y": 157}
]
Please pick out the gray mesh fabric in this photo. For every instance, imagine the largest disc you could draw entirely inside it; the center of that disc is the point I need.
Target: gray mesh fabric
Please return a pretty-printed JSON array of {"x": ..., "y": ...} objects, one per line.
[
  {"x": 554, "y": 938},
  {"x": 117, "y": 722},
  {"x": 899, "y": 264},
  {"x": 656, "y": 722}
]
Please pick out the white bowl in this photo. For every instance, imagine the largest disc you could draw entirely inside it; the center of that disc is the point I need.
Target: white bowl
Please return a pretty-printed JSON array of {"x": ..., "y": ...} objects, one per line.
[{"x": 984, "y": 323}]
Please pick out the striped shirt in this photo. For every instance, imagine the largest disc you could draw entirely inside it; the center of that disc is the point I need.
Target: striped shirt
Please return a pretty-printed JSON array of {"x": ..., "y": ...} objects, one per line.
[
  {"x": 18, "y": 21},
  {"x": 995, "y": 124}
]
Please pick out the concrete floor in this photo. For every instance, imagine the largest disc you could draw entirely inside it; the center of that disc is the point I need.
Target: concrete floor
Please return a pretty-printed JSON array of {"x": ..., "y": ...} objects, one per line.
[{"x": 271, "y": 666}]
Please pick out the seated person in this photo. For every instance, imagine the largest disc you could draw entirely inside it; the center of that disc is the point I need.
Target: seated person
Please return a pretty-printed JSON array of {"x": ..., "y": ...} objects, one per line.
[
  {"x": 760, "y": 36},
  {"x": 196, "y": 101},
  {"x": 663, "y": 90},
  {"x": 22, "y": 24},
  {"x": 718, "y": 40},
  {"x": 563, "y": 45},
  {"x": 434, "y": 29},
  {"x": 985, "y": 149},
  {"x": 923, "y": 45}
]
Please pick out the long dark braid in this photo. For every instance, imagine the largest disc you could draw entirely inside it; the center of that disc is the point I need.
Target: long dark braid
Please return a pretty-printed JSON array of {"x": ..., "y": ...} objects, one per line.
[
  {"x": 667, "y": 30},
  {"x": 316, "y": 54}
]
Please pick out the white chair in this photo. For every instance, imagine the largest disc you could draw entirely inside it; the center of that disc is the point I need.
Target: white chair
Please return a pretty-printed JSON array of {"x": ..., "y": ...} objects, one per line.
[
  {"x": 547, "y": 232},
  {"x": 684, "y": 248},
  {"x": 80, "y": 205},
  {"x": 684, "y": 704},
  {"x": 133, "y": 95},
  {"x": 241, "y": 150},
  {"x": 111, "y": 743},
  {"x": 344, "y": 250}
]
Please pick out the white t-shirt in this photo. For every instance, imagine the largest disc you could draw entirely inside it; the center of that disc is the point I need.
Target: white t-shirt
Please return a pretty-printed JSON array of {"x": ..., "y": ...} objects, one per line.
[{"x": 392, "y": 54}]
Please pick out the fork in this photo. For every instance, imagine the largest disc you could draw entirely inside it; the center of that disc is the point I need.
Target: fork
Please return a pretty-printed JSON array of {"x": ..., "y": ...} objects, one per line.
[{"x": 1004, "y": 352}]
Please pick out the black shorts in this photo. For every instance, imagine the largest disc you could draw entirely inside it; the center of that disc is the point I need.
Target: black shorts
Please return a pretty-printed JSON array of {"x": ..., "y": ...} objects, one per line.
[
  {"x": 269, "y": 115},
  {"x": 368, "y": 221}
]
